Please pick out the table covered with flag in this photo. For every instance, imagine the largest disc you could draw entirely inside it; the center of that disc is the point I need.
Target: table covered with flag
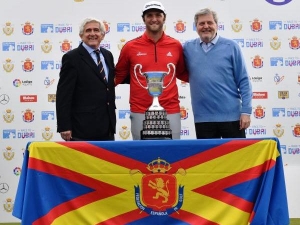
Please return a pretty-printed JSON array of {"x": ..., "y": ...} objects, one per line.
[{"x": 170, "y": 182}]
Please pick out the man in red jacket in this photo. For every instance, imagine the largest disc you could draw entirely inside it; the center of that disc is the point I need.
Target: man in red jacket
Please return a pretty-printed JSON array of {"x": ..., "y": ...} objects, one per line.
[{"x": 154, "y": 50}]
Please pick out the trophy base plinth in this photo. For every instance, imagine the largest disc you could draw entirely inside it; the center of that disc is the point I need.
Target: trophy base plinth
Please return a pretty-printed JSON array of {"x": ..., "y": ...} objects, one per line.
[
  {"x": 156, "y": 126},
  {"x": 155, "y": 137}
]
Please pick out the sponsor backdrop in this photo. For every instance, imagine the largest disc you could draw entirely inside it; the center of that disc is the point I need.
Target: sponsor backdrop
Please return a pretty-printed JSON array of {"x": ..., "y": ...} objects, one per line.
[{"x": 35, "y": 34}]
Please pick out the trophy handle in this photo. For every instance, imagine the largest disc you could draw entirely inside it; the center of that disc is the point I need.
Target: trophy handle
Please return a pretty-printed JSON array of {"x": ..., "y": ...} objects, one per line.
[
  {"x": 140, "y": 71},
  {"x": 174, "y": 71}
]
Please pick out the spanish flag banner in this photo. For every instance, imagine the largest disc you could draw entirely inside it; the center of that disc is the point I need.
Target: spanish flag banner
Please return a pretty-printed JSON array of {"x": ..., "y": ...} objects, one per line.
[{"x": 170, "y": 182}]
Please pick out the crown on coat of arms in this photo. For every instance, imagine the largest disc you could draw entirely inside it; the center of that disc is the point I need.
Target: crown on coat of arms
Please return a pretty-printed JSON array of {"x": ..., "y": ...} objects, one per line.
[{"x": 159, "y": 166}]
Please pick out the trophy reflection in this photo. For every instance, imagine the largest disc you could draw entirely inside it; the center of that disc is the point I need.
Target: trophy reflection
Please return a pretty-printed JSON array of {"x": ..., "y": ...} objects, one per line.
[
  {"x": 155, "y": 83},
  {"x": 156, "y": 125}
]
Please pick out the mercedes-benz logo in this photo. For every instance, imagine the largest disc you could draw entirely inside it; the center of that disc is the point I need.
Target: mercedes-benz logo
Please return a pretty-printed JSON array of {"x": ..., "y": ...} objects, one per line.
[
  {"x": 4, "y": 99},
  {"x": 4, "y": 187}
]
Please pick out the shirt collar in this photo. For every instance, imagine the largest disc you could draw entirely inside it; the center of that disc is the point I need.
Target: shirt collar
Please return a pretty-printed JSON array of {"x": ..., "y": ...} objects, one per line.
[
  {"x": 88, "y": 48},
  {"x": 145, "y": 36},
  {"x": 213, "y": 41}
]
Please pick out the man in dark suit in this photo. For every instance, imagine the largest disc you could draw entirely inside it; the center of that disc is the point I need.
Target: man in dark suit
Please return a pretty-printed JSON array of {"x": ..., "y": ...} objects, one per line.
[{"x": 85, "y": 96}]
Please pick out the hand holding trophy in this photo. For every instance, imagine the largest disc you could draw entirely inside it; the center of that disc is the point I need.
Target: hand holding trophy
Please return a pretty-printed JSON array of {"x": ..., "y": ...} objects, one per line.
[{"x": 155, "y": 125}]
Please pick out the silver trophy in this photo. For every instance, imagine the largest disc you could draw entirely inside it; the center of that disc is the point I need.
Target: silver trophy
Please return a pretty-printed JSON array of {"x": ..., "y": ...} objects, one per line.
[{"x": 154, "y": 83}]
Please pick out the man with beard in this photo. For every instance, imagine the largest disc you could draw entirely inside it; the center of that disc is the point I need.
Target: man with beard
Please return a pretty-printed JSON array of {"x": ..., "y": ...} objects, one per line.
[{"x": 154, "y": 50}]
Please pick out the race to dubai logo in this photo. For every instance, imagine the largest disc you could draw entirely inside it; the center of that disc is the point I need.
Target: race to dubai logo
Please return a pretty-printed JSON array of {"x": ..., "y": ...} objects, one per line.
[
  {"x": 27, "y": 28},
  {"x": 8, "y": 29},
  {"x": 259, "y": 112},
  {"x": 8, "y": 153},
  {"x": 65, "y": 46},
  {"x": 294, "y": 43},
  {"x": 275, "y": 43},
  {"x": 46, "y": 46},
  {"x": 278, "y": 2},
  {"x": 8, "y": 205},
  {"x": 8, "y": 116},
  {"x": 8, "y": 66},
  {"x": 107, "y": 26},
  {"x": 28, "y": 116},
  {"x": 124, "y": 132},
  {"x": 257, "y": 62},
  {"x": 121, "y": 43},
  {"x": 47, "y": 133},
  {"x": 180, "y": 26},
  {"x": 256, "y": 25},
  {"x": 296, "y": 130},
  {"x": 158, "y": 193},
  {"x": 28, "y": 65},
  {"x": 236, "y": 25},
  {"x": 278, "y": 131}
]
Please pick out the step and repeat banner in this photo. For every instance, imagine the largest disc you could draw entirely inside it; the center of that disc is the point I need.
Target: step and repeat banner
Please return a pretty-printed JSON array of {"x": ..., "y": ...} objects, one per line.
[{"x": 35, "y": 34}]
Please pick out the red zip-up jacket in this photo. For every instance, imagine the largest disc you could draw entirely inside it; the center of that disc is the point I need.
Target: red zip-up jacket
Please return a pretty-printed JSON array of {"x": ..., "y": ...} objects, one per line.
[{"x": 153, "y": 57}]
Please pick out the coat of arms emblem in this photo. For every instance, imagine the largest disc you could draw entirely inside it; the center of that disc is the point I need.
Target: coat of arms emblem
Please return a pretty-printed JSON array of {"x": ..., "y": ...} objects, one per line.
[{"x": 158, "y": 193}]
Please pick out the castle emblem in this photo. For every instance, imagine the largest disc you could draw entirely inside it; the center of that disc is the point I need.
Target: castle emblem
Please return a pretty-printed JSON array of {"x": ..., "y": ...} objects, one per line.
[
  {"x": 257, "y": 62},
  {"x": 180, "y": 26},
  {"x": 107, "y": 27},
  {"x": 158, "y": 193},
  {"x": 296, "y": 130},
  {"x": 259, "y": 112},
  {"x": 27, "y": 28},
  {"x": 28, "y": 65},
  {"x": 183, "y": 113},
  {"x": 256, "y": 25},
  {"x": 28, "y": 116},
  {"x": 294, "y": 43},
  {"x": 65, "y": 46}
]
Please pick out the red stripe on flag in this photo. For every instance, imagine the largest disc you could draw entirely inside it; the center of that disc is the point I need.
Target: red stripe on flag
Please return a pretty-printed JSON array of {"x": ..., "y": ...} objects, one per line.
[
  {"x": 72, "y": 176},
  {"x": 191, "y": 218},
  {"x": 213, "y": 153},
  {"x": 106, "y": 155},
  {"x": 125, "y": 218},
  {"x": 219, "y": 186},
  {"x": 65, "y": 207}
]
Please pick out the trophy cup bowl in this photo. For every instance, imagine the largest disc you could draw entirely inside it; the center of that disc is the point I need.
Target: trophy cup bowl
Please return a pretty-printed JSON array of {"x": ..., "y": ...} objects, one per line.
[{"x": 155, "y": 83}]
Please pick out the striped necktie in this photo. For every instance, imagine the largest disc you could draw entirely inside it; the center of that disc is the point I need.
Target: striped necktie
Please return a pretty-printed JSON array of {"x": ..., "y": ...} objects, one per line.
[{"x": 100, "y": 65}]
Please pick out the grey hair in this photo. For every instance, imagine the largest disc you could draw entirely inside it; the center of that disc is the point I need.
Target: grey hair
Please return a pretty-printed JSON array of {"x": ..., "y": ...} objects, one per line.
[
  {"x": 89, "y": 20},
  {"x": 206, "y": 11}
]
